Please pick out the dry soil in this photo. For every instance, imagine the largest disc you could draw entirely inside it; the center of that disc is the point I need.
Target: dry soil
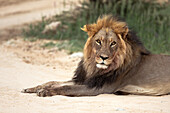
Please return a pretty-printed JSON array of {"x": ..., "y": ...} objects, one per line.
[{"x": 25, "y": 64}]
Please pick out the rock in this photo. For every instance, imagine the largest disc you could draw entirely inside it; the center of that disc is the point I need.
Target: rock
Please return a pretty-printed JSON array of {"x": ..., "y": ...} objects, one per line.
[
  {"x": 76, "y": 55},
  {"x": 120, "y": 109},
  {"x": 51, "y": 27}
]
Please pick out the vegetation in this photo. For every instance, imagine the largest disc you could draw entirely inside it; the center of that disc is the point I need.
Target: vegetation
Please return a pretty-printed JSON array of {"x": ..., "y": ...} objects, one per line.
[{"x": 151, "y": 21}]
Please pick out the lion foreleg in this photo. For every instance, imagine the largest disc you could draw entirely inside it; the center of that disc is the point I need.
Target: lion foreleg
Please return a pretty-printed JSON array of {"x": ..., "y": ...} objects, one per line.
[
  {"x": 69, "y": 90},
  {"x": 45, "y": 86}
]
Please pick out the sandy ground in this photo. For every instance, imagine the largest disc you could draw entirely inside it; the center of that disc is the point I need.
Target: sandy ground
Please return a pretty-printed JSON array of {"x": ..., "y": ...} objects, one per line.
[{"x": 25, "y": 64}]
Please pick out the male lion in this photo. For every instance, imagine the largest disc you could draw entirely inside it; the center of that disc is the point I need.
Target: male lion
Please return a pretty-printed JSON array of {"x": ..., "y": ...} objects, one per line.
[{"x": 115, "y": 61}]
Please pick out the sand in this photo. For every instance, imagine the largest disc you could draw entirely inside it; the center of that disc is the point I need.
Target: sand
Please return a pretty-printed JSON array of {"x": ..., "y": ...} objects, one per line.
[
  {"x": 26, "y": 64},
  {"x": 17, "y": 72}
]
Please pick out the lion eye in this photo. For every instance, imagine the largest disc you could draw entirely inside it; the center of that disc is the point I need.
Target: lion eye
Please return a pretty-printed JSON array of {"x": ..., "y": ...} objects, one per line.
[
  {"x": 113, "y": 44},
  {"x": 98, "y": 42}
]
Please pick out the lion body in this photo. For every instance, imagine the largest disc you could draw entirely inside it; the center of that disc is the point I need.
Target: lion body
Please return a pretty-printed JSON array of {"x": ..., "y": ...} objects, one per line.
[
  {"x": 115, "y": 61},
  {"x": 150, "y": 77}
]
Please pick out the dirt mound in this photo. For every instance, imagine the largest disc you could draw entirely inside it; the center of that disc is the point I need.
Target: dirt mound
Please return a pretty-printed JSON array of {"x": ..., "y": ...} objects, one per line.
[{"x": 34, "y": 53}]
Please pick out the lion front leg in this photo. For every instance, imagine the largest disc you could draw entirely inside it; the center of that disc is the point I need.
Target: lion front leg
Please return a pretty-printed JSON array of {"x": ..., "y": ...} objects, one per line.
[
  {"x": 70, "y": 90},
  {"x": 45, "y": 86}
]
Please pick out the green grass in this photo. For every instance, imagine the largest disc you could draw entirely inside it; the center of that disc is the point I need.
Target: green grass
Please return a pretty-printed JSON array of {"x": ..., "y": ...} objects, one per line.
[{"x": 151, "y": 21}]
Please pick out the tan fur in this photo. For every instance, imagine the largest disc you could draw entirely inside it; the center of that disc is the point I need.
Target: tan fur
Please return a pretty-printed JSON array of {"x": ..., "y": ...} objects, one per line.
[
  {"x": 108, "y": 23},
  {"x": 118, "y": 26}
]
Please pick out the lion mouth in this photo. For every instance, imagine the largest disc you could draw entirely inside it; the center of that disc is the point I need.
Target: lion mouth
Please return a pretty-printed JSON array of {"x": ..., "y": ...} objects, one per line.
[{"x": 101, "y": 66}]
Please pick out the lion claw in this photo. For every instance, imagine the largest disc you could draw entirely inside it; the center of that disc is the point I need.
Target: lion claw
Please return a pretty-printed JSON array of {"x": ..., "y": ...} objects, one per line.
[
  {"x": 43, "y": 93},
  {"x": 27, "y": 91},
  {"x": 24, "y": 91}
]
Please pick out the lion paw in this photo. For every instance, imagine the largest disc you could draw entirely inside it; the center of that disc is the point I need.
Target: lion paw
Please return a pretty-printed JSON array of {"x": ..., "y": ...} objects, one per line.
[
  {"x": 32, "y": 90},
  {"x": 28, "y": 90},
  {"x": 43, "y": 93}
]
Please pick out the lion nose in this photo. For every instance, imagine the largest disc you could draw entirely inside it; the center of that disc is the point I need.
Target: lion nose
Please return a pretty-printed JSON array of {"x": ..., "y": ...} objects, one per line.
[{"x": 104, "y": 57}]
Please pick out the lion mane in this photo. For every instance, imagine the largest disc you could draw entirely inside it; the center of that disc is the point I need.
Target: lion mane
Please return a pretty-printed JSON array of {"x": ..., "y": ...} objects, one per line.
[{"x": 128, "y": 54}]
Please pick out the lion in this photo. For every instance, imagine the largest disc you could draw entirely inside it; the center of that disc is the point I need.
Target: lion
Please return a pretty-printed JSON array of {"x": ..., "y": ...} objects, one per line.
[{"x": 114, "y": 62}]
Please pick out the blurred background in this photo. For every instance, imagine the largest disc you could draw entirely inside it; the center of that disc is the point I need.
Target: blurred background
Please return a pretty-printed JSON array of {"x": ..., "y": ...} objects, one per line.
[{"x": 61, "y": 20}]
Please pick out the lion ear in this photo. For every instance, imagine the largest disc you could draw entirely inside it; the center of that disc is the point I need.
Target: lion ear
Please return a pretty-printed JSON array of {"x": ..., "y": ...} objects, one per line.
[
  {"x": 84, "y": 28},
  {"x": 124, "y": 34},
  {"x": 90, "y": 29}
]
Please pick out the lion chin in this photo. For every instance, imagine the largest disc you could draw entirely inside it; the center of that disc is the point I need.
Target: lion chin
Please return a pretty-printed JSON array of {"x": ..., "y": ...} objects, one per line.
[{"x": 101, "y": 66}]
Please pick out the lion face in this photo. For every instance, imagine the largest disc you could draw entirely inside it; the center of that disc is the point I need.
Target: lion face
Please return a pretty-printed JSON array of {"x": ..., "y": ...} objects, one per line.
[{"x": 105, "y": 45}]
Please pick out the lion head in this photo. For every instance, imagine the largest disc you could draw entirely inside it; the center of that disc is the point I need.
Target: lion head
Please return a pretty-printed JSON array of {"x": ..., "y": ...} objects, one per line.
[{"x": 110, "y": 46}]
